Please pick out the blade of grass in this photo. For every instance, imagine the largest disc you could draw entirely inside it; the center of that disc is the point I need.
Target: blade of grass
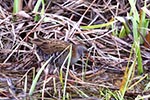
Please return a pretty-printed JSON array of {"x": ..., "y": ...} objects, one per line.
[
  {"x": 143, "y": 23},
  {"x": 37, "y": 76},
  {"x": 98, "y": 26},
  {"x": 135, "y": 21},
  {"x": 127, "y": 76},
  {"x": 141, "y": 79},
  {"x": 66, "y": 76},
  {"x": 36, "y": 8},
  {"x": 17, "y": 6}
]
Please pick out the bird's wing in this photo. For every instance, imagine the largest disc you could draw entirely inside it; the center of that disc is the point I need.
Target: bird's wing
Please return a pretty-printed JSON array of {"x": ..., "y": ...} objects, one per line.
[{"x": 50, "y": 46}]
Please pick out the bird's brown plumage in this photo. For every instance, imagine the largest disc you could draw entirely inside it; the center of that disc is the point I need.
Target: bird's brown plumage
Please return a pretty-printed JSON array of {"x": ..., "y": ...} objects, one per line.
[{"x": 51, "y": 46}]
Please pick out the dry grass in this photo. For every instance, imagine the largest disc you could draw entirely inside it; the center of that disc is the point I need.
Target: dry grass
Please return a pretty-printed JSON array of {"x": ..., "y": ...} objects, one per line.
[{"x": 19, "y": 62}]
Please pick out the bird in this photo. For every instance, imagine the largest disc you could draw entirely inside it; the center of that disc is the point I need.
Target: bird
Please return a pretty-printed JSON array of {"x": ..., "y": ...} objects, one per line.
[{"x": 58, "y": 47}]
